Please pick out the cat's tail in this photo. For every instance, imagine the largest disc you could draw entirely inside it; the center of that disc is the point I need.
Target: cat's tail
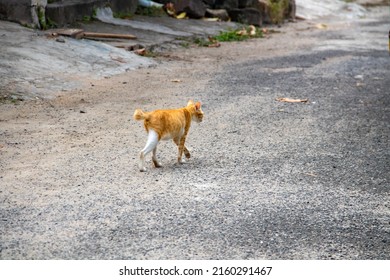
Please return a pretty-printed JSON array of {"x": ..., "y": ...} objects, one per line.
[{"x": 140, "y": 115}]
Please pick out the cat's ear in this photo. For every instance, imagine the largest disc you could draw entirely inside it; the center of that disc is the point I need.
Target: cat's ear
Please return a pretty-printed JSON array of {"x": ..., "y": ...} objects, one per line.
[
  {"x": 197, "y": 106},
  {"x": 190, "y": 103}
]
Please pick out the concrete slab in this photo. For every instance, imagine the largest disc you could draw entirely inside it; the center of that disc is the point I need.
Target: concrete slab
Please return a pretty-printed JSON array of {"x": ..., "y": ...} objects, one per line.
[{"x": 35, "y": 65}]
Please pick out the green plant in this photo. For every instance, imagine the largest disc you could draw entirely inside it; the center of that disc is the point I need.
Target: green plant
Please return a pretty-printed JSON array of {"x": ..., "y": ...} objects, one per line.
[
  {"x": 87, "y": 18},
  {"x": 277, "y": 9},
  {"x": 123, "y": 15},
  {"x": 150, "y": 11},
  {"x": 201, "y": 42},
  {"x": 246, "y": 33},
  {"x": 50, "y": 23},
  {"x": 10, "y": 99},
  {"x": 41, "y": 17},
  {"x": 94, "y": 12},
  {"x": 239, "y": 34}
]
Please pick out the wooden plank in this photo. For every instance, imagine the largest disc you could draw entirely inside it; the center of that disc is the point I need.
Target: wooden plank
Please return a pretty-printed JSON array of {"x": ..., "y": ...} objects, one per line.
[
  {"x": 108, "y": 35},
  {"x": 80, "y": 33}
]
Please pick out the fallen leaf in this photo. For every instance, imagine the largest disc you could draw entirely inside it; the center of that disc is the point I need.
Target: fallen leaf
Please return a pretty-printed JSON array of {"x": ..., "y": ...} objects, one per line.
[
  {"x": 181, "y": 15},
  {"x": 242, "y": 32},
  {"x": 140, "y": 51},
  {"x": 252, "y": 31},
  {"x": 170, "y": 9},
  {"x": 176, "y": 81},
  {"x": 290, "y": 100},
  {"x": 321, "y": 26},
  {"x": 213, "y": 43}
]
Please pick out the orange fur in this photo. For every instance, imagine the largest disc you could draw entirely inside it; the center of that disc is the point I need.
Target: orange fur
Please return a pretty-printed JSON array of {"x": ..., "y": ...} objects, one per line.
[{"x": 169, "y": 124}]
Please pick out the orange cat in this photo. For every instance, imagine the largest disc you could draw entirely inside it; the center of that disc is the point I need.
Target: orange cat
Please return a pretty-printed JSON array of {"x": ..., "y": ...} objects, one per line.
[{"x": 168, "y": 124}]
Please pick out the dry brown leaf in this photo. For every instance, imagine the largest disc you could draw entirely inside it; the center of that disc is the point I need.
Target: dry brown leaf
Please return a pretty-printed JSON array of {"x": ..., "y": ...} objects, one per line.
[
  {"x": 213, "y": 43},
  {"x": 242, "y": 32},
  {"x": 321, "y": 26},
  {"x": 290, "y": 100},
  {"x": 181, "y": 15},
  {"x": 252, "y": 31},
  {"x": 176, "y": 81},
  {"x": 141, "y": 52},
  {"x": 170, "y": 9}
]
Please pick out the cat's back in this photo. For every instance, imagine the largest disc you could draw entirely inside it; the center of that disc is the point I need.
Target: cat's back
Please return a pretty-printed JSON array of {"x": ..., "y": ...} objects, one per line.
[
  {"x": 167, "y": 122},
  {"x": 169, "y": 115}
]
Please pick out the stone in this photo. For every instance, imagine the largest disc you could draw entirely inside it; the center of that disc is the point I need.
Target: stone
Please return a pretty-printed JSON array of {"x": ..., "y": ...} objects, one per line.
[
  {"x": 23, "y": 11},
  {"x": 193, "y": 8},
  {"x": 209, "y": 3},
  {"x": 64, "y": 13},
  {"x": 245, "y": 4},
  {"x": 291, "y": 11},
  {"x": 222, "y": 14},
  {"x": 248, "y": 16},
  {"x": 124, "y": 6},
  {"x": 263, "y": 8},
  {"x": 226, "y": 4}
]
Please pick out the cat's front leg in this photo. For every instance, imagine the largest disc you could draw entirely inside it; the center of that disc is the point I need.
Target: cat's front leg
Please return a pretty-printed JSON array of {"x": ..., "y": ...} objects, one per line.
[
  {"x": 181, "y": 148},
  {"x": 186, "y": 152}
]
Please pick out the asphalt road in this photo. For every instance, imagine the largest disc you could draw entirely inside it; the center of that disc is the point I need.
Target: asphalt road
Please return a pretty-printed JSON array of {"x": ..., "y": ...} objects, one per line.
[{"x": 267, "y": 179}]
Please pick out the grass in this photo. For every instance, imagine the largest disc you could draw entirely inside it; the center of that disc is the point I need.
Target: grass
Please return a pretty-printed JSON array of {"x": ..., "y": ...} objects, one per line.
[
  {"x": 232, "y": 35},
  {"x": 9, "y": 99},
  {"x": 150, "y": 11},
  {"x": 277, "y": 9},
  {"x": 123, "y": 15}
]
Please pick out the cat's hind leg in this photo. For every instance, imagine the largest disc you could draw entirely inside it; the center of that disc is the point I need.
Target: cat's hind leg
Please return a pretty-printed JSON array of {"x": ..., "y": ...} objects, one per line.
[{"x": 151, "y": 145}]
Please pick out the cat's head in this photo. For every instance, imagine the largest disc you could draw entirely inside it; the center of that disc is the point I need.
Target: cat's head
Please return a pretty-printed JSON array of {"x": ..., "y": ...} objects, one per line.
[{"x": 197, "y": 115}]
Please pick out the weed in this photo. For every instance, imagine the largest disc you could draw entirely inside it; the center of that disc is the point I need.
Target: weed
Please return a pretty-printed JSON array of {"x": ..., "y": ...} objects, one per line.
[
  {"x": 242, "y": 34},
  {"x": 232, "y": 35},
  {"x": 277, "y": 9},
  {"x": 123, "y": 15},
  {"x": 10, "y": 99},
  {"x": 150, "y": 11},
  {"x": 201, "y": 42},
  {"x": 50, "y": 23},
  {"x": 41, "y": 17},
  {"x": 87, "y": 19}
]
